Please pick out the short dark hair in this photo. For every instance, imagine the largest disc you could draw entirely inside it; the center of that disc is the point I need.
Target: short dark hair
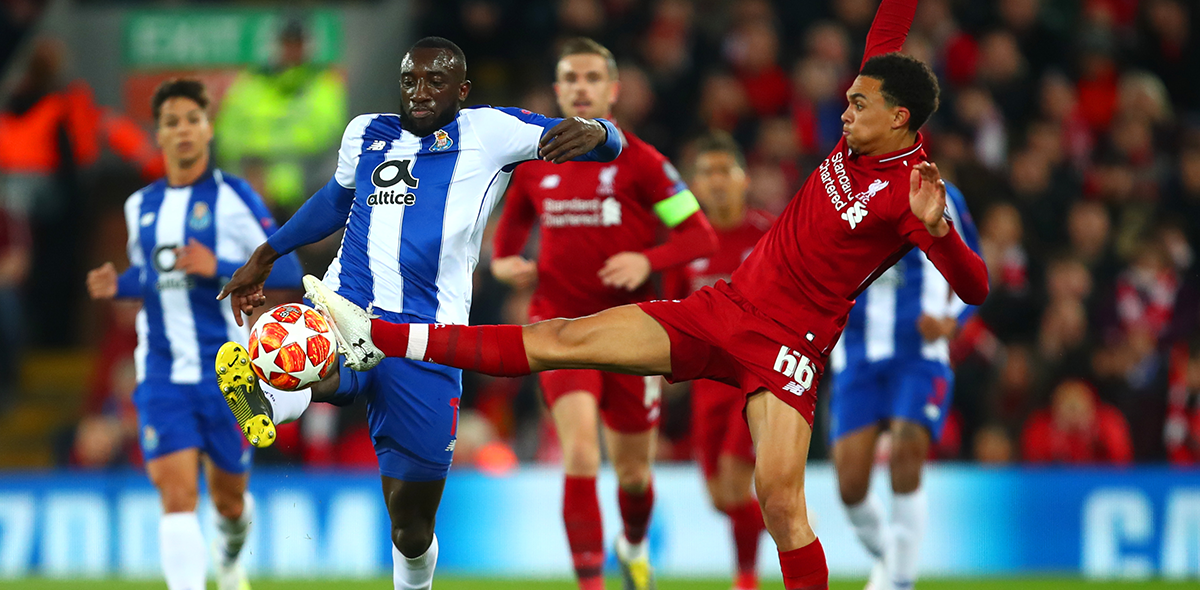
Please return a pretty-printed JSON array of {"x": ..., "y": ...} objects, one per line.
[
  {"x": 719, "y": 141},
  {"x": 586, "y": 46},
  {"x": 189, "y": 88},
  {"x": 442, "y": 43},
  {"x": 907, "y": 82}
]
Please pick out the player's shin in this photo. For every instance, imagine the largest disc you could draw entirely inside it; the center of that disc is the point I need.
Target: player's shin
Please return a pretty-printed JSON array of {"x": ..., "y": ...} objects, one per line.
[
  {"x": 867, "y": 519},
  {"x": 909, "y": 512},
  {"x": 181, "y": 549},
  {"x": 585, "y": 532},
  {"x": 232, "y": 532},
  {"x": 492, "y": 350},
  {"x": 286, "y": 406},
  {"x": 747, "y": 524},
  {"x": 414, "y": 573}
]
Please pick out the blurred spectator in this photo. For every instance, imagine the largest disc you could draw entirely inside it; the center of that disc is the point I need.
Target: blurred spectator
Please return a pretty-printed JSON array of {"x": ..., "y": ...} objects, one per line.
[
  {"x": 1003, "y": 71},
  {"x": 277, "y": 125},
  {"x": 1088, "y": 234},
  {"x": 1181, "y": 431},
  {"x": 14, "y": 268},
  {"x": 478, "y": 447},
  {"x": 817, "y": 104},
  {"x": 51, "y": 133},
  {"x": 993, "y": 446},
  {"x": 753, "y": 51},
  {"x": 1168, "y": 48},
  {"x": 1009, "y": 308},
  {"x": 107, "y": 436},
  {"x": 1059, "y": 105},
  {"x": 1077, "y": 428}
]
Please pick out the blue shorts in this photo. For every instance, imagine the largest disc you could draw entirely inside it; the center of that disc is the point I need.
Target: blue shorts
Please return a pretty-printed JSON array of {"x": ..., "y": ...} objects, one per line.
[
  {"x": 916, "y": 390},
  {"x": 412, "y": 409},
  {"x": 173, "y": 417}
]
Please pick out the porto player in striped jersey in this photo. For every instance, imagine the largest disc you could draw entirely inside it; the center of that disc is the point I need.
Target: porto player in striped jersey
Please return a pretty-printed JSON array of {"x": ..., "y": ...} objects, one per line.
[
  {"x": 599, "y": 225},
  {"x": 188, "y": 232},
  {"x": 720, "y": 436},
  {"x": 769, "y": 330}
]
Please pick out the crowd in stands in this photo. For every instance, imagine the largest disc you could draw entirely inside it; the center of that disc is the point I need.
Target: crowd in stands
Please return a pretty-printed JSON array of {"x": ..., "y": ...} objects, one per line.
[{"x": 1072, "y": 127}]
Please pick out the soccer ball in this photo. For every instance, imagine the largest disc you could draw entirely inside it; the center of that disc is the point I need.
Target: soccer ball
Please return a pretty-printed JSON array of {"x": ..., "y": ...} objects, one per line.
[{"x": 292, "y": 347}]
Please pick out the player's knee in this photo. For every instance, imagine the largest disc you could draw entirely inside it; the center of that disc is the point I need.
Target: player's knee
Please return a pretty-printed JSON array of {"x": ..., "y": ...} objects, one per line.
[
  {"x": 582, "y": 458},
  {"x": 853, "y": 487},
  {"x": 783, "y": 507},
  {"x": 178, "y": 497},
  {"x": 633, "y": 476},
  {"x": 910, "y": 446},
  {"x": 229, "y": 504},
  {"x": 414, "y": 539}
]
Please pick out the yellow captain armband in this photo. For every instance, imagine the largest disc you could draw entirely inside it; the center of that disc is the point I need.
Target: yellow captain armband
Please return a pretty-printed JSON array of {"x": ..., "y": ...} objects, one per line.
[{"x": 676, "y": 208}]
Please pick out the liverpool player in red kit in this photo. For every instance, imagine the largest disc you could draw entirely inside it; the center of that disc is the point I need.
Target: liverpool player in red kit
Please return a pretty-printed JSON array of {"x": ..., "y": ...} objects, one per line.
[
  {"x": 599, "y": 223},
  {"x": 720, "y": 436},
  {"x": 769, "y": 330}
]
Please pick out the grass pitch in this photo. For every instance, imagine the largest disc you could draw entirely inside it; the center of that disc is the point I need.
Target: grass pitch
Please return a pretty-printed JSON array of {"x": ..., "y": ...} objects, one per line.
[{"x": 613, "y": 584}]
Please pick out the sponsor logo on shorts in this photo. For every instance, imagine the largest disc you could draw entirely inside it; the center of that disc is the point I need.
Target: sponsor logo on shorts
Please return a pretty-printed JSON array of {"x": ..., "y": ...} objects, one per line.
[
  {"x": 149, "y": 438},
  {"x": 450, "y": 447},
  {"x": 797, "y": 366}
]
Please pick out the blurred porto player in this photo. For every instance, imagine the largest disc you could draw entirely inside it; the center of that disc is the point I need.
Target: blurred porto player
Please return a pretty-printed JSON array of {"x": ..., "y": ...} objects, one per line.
[
  {"x": 414, "y": 192},
  {"x": 187, "y": 234},
  {"x": 769, "y": 330},
  {"x": 892, "y": 368},
  {"x": 720, "y": 435},
  {"x": 598, "y": 247}
]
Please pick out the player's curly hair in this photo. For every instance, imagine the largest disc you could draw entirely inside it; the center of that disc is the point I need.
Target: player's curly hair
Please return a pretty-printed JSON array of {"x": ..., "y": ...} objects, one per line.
[
  {"x": 907, "y": 82},
  {"x": 178, "y": 88}
]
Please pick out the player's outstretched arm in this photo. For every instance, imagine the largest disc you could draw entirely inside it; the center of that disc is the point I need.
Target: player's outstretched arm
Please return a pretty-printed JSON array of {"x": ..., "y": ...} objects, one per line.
[
  {"x": 245, "y": 288},
  {"x": 963, "y": 268},
  {"x": 890, "y": 28},
  {"x": 575, "y": 137}
]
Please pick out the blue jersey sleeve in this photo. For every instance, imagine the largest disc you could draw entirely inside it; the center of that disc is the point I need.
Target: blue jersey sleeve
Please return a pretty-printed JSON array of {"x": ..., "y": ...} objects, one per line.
[
  {"x": 512, "y": 135},
  {"x": 129, "y": 283},
  {"x": 320, "y": 216}
]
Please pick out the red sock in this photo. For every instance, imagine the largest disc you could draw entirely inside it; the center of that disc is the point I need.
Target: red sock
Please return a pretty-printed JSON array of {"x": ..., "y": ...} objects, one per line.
[
  {"x": 635, "y": 512},
  {"x": 747, "y": 521},
  {"x": 805, "y": 568},
  {"x": 585, "y": 532},
  {"x": 493, "y": 350}
]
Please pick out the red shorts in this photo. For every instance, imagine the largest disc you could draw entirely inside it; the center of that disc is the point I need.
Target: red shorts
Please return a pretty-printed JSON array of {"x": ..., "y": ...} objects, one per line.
[
  {"x": 718, "y": 426},
  {"x": 716, "y": 334},
  {"x": 628, "y": 403}
]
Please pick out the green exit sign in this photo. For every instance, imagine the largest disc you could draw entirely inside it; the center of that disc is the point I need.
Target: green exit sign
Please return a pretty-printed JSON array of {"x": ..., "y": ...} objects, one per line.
[{"x": 215, "y": 37}]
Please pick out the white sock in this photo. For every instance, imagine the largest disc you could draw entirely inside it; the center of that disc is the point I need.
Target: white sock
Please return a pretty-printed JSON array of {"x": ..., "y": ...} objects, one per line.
[
  {"x": 232, "y": 533},
  {"x": 909, "y": 512},
  {"x": 286, "y": 406},
  {"x": 632, "y": 551},
  {"x": 181, "y": 547},
  {"x": 867, "y": 519},
  {"x": 414, "y": 573}
]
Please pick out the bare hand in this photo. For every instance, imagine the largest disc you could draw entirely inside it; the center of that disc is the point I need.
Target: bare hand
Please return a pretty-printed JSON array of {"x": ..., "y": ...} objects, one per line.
[
  {"x": 570, "y": 139},
  {"x": 933, "y": 329},
  {"x": 927, "y": 198},
  {"x": 102, "y": 282},
  {"x": 196, "y": 259},
  {"x": 246, "y": 284},
  {"x": 627, "y": 270},
  {"x": 515, "y": 271}
]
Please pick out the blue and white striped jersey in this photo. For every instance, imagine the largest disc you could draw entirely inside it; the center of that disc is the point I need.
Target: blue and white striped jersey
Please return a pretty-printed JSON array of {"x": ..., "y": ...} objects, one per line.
[
  {"x": 181, "y": 324},
  {"x": 417, "y": 206},
  {"x": 883, "y": 322}
]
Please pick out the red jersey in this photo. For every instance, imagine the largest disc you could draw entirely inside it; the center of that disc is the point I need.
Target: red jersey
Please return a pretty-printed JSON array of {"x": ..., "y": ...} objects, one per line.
[
  {"x": 849, "y": 223},
  {"x": 589, "y": 211},
  {"x": 735, "y": 245}
]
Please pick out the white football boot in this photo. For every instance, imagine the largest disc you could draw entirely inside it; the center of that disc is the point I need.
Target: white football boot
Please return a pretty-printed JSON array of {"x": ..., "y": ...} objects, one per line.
[
  {"x": 230, "y": 576},
  {"x": 351, "y": 325},
  {"x": 879, "y": 580}
]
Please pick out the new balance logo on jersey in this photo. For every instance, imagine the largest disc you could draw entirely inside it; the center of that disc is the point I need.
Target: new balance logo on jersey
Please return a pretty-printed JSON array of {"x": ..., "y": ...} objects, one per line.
[
  {"x": 378, "y": 145},
  {"x": 855, "y": 214},
  {"x": 388, "y": 175},
  {"x": 797, "y": 366}
]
